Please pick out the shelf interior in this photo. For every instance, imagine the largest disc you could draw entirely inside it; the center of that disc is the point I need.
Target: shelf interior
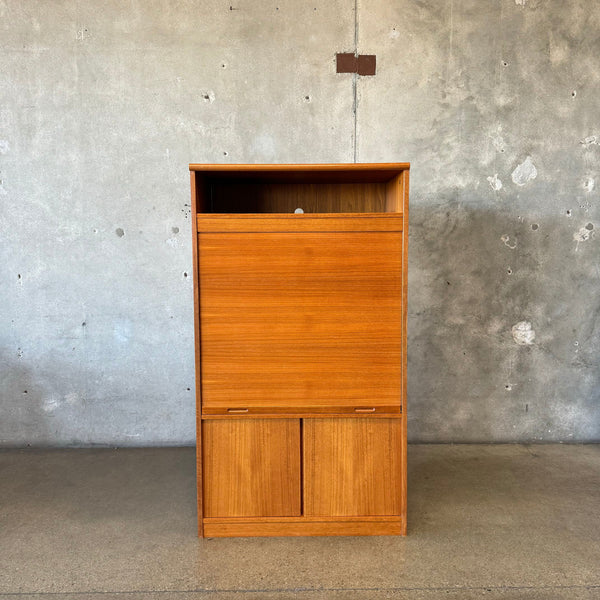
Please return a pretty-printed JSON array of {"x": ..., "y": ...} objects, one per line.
[{"x": 239, "y": 195}]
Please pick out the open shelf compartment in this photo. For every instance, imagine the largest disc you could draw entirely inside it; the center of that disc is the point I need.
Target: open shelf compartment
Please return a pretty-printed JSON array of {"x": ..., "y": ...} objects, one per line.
[{"x": 307, "y": 189}]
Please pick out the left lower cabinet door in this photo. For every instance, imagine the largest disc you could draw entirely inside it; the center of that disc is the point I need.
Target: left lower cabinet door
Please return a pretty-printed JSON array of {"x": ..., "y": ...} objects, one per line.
[{"x": 251, "y": 467}]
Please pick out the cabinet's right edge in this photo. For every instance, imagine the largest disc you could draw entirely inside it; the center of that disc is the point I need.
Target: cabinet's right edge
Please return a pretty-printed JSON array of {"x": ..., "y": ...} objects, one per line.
[{"x": 404, "y": 187}]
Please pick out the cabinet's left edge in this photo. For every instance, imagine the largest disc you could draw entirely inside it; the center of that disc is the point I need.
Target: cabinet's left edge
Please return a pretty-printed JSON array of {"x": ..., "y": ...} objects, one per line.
[{"x": 195, "y": 204}]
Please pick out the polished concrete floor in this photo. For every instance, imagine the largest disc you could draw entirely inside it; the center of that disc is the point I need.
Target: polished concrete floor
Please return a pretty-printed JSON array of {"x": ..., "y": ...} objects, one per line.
[{"x": 494, "y": 522}]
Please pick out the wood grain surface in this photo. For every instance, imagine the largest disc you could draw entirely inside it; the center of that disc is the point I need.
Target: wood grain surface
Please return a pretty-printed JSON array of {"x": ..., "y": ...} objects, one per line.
[
  {"x": 300, "y": 320},
  {"x": 292, "y": 223},
  {"x": 352, "y": 467},
  {"x": 251, "y": 467},
  {"x": 196, "y": 203},
  {"x": 214, "y": 528},
  {"x": 232, "y": 197},
  {"x": 302, "y": 173},
  {"x": 300, "y": 324}
]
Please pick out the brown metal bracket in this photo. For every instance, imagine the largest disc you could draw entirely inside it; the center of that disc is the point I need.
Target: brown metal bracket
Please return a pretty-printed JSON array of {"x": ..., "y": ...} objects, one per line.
[{"x": 363, "y": 64}]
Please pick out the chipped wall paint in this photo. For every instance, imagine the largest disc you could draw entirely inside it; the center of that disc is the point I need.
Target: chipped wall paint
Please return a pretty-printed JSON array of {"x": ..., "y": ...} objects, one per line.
[
  {"x": 495, "y": 182},
  {"x": 495, "y": 104},
  {"x": 508, "y": 243},
  {"x": 583, "y": 234},
  {"x": 523, "y": 333},
  {"x": 524, "y": 172},
  {"x": 589, "y": 184}
]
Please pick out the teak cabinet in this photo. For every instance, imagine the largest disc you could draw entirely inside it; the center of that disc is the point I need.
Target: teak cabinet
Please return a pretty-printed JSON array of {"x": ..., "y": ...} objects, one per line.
[{"x": 300, "y": 348}]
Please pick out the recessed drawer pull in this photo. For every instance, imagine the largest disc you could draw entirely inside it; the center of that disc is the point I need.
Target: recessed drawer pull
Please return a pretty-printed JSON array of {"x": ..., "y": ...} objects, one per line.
[
  {"x": 364, "y": 410},
  {"x": 237, "y": 410}
]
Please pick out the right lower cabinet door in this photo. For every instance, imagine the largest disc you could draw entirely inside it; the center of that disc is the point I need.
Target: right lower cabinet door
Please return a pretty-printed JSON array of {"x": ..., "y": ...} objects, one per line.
[{"x": 352, "y": 467}]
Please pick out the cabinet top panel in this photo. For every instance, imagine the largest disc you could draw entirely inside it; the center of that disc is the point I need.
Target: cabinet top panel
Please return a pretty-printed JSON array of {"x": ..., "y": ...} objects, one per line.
[{"x": 308, "y": 173}]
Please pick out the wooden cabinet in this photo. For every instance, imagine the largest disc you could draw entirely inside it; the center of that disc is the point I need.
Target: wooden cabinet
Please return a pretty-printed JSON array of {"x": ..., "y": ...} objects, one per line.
[{"x": 300, "y": 348}]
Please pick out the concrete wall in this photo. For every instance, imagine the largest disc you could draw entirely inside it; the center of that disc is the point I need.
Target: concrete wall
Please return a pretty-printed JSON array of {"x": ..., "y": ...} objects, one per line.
[{"x": 102, "y": 105}]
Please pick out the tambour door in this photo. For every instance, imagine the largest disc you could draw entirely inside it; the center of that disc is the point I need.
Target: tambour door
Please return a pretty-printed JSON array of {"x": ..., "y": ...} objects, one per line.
[{"x": 301, "y": 320}]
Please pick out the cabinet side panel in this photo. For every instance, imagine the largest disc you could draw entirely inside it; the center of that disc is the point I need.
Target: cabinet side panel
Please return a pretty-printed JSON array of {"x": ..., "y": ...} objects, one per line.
[
  {"x": 196, "y": 202},
  {"x": 405, "y": 178},
  {"x": 251, "y": 467},
  {"x": 393, "y": 195},
  {"x": 352, "y": 467}
]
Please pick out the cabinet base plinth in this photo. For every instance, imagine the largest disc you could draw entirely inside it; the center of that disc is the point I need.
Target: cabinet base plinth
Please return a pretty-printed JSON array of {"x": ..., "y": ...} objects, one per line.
[{"x": 302, "y": 527}]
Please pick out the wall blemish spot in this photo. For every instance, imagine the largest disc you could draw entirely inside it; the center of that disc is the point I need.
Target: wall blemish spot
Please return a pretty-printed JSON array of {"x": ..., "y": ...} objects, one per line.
[
  {"x": 120, "y": 232},
  {"x": 208, "y": 96},
  {"x": 523, "y": 333},
  {"x": 535, "y": 226},
  {"x": 506, "y": 239},
  {"x": 495, "y": 183},
  {"x": 573, "y": 93},
  {"x": 583, "y": 235},
  {"x": 524, "y": 172},
  {"x": 588, "y": 184},
  {"x": 568, "y": 213},
  {"x": 590, "y": 140},
  {"x": 589, "y": 226},
  {"x": 175, "y": 230}
]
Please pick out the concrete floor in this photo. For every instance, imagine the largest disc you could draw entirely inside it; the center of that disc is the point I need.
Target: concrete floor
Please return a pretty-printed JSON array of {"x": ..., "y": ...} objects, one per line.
[{"x": 499, "y": 522}]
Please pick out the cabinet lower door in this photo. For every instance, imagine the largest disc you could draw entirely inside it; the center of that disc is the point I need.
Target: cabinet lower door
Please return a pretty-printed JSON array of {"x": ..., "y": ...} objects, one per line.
[
  {"x": 251, "y": 467},
  {"x": 352, "y": 467}
]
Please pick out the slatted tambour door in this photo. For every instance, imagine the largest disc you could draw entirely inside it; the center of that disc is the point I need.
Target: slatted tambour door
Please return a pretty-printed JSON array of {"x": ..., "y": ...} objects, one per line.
[{"x": 310, "y": 319}]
